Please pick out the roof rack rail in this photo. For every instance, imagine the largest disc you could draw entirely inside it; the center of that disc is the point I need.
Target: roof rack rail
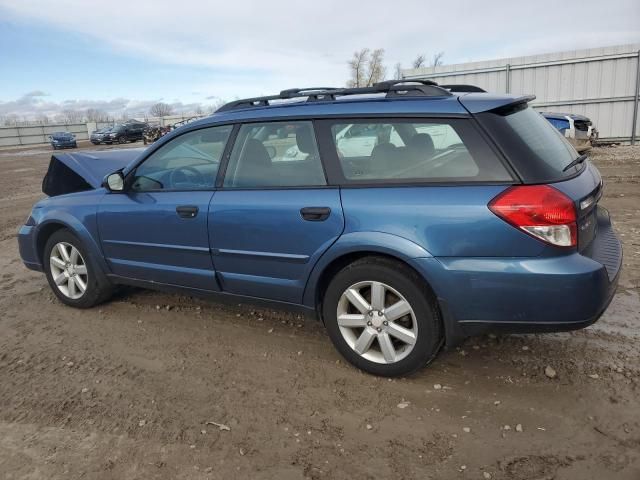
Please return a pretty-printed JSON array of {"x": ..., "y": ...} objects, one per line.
[
  {"x": 459, "y": 88},
  {"x": 392, "y": 88}
]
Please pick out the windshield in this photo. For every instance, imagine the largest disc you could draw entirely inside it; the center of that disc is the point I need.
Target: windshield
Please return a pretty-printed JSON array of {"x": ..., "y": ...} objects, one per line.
[{"x": 537, "y": 149}]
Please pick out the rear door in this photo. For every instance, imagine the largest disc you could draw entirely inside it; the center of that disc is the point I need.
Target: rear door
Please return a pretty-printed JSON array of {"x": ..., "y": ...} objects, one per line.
[{"x": 274, "y": 215}]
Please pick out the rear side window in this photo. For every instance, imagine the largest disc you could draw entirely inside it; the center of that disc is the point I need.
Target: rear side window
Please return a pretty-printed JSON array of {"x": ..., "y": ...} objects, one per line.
[
  {"x": 534, "y": 146},
  {"x": 398, "y": 151},
  {"x": 275, "y": 154}
]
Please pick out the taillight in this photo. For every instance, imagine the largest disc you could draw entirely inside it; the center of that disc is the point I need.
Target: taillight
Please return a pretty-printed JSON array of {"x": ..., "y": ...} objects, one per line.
[{"x": 539, "y": 210}]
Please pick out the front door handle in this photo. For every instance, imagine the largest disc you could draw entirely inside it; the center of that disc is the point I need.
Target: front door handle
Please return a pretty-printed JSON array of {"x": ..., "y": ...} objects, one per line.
[
  {"x": 315, "y": 214},
  {"x": 187, "y": 211}
]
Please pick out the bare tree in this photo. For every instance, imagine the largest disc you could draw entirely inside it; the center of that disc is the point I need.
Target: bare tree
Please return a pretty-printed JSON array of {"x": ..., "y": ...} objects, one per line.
[
  {"x": 376, "y": 71},
  {"x": 436, "y": 61},
  {"x": 161, "y": 109},
  {"x": 72, "y": 116},
  {"x": 11, "y": 120},
  {"x": 357, "y": 66},
  {"x": 96, "y": 115},
  {"x": 419, "y": 61},
  {"x": 42, "y": 119},
  {"x": 397, "y": 71},
  {"x": 198, "y": 110}
]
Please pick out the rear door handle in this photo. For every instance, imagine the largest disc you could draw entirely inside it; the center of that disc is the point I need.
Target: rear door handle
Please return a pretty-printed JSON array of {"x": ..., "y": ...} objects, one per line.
[
  {"x": 187, "y": 211},
  {"x": 315, "y": 214}
]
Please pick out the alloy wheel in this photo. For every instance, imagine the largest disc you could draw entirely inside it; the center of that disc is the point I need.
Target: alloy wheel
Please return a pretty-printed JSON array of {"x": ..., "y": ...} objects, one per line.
[
  {"x": 68, "y": 270},
  {"x": 377, "y": 322}
]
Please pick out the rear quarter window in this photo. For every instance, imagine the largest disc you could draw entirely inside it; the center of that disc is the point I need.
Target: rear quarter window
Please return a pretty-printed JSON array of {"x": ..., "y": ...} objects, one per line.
[
  {"x": 535, "y": 148},
  {"x": 412, "y": 151}
]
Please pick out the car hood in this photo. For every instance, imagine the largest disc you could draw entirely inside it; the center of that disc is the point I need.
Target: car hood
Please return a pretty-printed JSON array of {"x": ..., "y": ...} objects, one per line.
[{"x": 72, "y": 172}]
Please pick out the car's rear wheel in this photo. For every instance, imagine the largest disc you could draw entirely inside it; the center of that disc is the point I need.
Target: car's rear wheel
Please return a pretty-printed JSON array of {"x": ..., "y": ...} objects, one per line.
[
  {"x": 71, "y": 274},
  {"x": 382, "y": 317}
]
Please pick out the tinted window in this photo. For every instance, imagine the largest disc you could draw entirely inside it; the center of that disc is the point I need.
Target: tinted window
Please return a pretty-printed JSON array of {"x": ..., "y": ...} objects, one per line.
[
  {"x": 537, "y": 149},
  {"x": 187, "y": 162},
  {"x": 275, "y": 154},
  {"x": 394, "y": 150}
]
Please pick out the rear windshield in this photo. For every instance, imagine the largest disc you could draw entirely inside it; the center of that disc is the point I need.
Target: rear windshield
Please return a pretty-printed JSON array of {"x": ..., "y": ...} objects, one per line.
[{"x": 537, "y": 150}]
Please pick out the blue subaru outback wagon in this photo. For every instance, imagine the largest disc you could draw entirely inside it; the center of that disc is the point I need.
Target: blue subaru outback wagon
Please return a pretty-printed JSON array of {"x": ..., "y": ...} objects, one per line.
[{"x": 406, "y": 216}]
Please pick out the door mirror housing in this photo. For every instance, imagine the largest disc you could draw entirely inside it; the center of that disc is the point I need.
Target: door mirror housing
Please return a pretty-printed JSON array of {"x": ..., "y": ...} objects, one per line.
[{"x": 114, "y": 182}]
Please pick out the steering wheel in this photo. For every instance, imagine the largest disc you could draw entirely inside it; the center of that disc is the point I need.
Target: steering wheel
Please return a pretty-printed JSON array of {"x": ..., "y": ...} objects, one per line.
[{"x": 186, "y": 174}]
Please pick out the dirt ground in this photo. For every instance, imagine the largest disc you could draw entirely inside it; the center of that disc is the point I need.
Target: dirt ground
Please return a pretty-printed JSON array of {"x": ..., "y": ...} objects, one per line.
[{"x": 130, "y": 390}]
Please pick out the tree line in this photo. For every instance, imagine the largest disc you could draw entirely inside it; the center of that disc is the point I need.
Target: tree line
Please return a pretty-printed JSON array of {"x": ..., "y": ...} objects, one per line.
[
  {"x": 69, "y": 116},
  {"x": 366, "y": 66}
]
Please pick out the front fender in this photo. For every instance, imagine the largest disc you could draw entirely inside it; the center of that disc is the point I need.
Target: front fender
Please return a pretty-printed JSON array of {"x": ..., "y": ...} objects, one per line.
[
  {"x": 359, "y": 242},
  {"x": 78, "y": 227}
]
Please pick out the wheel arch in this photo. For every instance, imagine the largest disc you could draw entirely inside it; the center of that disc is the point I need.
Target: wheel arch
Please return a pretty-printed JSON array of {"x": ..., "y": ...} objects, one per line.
[
  {"x": 354, "y": 246},
  {"x": 44, "y": 233},
  {"x": 62, "y": 220}
]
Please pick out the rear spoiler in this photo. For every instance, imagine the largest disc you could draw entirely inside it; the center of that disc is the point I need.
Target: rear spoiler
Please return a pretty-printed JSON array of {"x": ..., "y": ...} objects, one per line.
[{"x": 485, "y": 103}]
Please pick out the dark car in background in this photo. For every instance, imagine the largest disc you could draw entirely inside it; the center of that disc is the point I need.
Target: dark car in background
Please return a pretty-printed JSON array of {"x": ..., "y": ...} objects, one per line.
[
  {"x": 130, "y": 131},
  {"x": 63, "y": 140},
  {"x": 97, "y": 137},
  {"x": 577, "y": 129}
]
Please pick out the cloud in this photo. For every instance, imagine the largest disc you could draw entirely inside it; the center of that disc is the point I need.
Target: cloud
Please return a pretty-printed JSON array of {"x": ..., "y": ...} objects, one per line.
[
  {"x": 255, "y": 47},
  {"x": 36, "y": 93},
  {"x": 32, "y": 106},
  {"x": 294, "y": 41}
]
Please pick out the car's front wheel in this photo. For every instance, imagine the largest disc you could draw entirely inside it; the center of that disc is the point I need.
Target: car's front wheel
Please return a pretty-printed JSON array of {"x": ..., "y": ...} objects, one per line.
[
  {"x": 71, "y": 275},
  {"x": 382, "y": 317}
]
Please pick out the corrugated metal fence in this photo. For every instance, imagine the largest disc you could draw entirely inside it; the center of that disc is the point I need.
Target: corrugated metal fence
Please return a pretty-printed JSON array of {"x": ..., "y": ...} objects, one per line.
[{"x": 601, "y": 83}]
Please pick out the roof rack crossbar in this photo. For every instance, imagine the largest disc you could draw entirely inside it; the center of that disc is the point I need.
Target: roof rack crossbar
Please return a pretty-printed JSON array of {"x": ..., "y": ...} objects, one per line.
[
  {"x": 463, "y": 88},
  {"x": 393, "y": 88}
]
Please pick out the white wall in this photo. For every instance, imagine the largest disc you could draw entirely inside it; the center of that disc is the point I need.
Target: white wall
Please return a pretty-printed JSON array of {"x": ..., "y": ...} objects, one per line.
[{"x": 600, "y": 83}]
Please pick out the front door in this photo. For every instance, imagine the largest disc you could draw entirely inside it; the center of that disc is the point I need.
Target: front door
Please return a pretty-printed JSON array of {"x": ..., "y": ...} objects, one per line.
[
  {"x": 157, "y": 229},
  {"x": 274, "y": 216}
]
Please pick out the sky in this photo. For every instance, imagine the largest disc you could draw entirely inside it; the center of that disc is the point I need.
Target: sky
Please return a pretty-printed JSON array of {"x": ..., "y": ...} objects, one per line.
[{"x": 124, "y": 56}]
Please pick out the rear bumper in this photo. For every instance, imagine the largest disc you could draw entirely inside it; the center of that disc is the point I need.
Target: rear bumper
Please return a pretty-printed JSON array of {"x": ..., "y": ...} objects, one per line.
[{"x": 526, "y": 295}]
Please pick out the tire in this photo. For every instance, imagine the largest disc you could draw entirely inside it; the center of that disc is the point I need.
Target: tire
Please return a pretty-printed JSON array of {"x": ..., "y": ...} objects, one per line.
[
  {"x": 122, "y": 139},
  {"x": 97, "y": 287},
  {"x": 422, "y": 325}
]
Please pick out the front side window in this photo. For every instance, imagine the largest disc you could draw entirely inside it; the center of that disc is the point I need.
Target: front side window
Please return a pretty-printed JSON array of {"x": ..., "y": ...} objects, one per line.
[
  {"x": 275, "y": 154},
  {"x": 423, "y": 151},
  {"x": 188, "y": 162}
]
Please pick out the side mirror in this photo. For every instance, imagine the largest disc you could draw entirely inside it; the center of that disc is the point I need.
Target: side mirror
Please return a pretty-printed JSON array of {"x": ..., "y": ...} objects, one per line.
[{"x": 114, "y": 182}]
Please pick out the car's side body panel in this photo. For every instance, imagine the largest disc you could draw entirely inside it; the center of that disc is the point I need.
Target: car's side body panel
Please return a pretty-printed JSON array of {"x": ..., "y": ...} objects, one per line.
[
  {"x": 445, "y": 221},
  {"x": 261, "y": 245}
]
